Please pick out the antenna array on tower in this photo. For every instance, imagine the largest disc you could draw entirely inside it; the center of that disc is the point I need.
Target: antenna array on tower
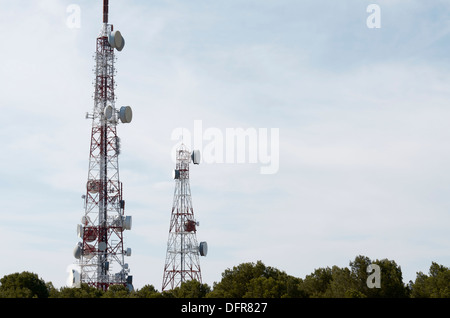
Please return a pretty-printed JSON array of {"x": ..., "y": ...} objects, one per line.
[
  {"x": 101, "y": 252},
  {"x": 183, "y": 251}
]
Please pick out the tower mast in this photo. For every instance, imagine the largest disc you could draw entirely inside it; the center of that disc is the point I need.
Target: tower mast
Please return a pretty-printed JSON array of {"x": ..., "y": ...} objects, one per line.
[
  {"x": 101, "y": 253},
  {"x": 182, "y": 256}
]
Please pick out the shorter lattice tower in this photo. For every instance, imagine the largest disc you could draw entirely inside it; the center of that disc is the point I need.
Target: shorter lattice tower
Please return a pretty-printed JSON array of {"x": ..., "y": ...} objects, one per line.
[{"x": 183, "y": 251}]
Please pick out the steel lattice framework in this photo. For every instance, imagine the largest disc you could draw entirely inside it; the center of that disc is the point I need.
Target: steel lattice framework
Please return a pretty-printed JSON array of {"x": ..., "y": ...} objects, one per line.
[
  {"x": 182, "y": 256},
  {"x": 102, "y": 253}
]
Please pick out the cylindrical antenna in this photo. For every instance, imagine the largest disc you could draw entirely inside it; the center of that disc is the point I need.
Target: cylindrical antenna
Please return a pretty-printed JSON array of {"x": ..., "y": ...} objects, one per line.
[{"x": 105, "y": 11}]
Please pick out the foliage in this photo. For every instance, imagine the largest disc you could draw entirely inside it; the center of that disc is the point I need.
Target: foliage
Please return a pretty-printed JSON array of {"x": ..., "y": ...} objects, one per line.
[
  {"x": 249, "y": 280},
  {"x": 256, "y": 280},
  {"x": 23, "y": 285},
  {"x": 434, "y": 285},
  {"x": 392, "y": 285},
  {"x": 117, "y": 291},
  {"x": 351, "y": 282},
  {"x": 191, "y": 289},
  {"x": 148, "y": 291},
  {"x": 84, "y": 291}
]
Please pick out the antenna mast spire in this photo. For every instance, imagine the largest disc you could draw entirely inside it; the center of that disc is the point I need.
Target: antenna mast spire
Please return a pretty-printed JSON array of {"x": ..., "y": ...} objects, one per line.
[{"x": 105, "y": 11}]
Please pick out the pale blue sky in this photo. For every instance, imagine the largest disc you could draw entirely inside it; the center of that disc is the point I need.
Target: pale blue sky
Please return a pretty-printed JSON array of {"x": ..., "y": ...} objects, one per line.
[{"x": 362, "y": 113}]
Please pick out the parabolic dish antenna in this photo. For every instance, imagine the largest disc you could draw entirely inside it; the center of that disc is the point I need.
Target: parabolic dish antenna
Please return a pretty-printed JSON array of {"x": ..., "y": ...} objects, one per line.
[
  {"x": 116, "y": 40},
  {"x": 125, "y": 114},
  {"x": 196, "y": 157},
  {"x": 203, "y": 248},
  {"x": 74, "y": 277},
  {"x": 79, "y": 230},
  {"x": 77, "y": 251},
  {"x": 176, "y": 174},
  {"x": 108, "y": 112},
  {"x": 127, "y": 223}
]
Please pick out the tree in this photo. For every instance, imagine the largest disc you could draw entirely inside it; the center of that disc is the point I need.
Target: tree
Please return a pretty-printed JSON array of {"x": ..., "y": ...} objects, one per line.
[
  {"x": 390, "y": 275},
  {"x": 250, "y": 280},
  {"x": 23, "y": 285},
  {"x": 359, "y": 274},
  {"x": 342, "y": 284},
  {"x": 264, "y": 287},
  {"x": 352, "y": 282},
  {"x": 334, "y": 282},
  {"x": 434, "y": 285},
  {"x": 84, "y": 291},
  {"x": 234, "y": 281},
  {"x": 256, "y": 280},
  {"x": 316, "y": 284},
  {"x": 191, "y": 289},
  {"x": 148, "y": 291},
  {"x": 117, "y": 291},
  {"x": 52, "y": 291},
  {"x": 392, "y": 285}
]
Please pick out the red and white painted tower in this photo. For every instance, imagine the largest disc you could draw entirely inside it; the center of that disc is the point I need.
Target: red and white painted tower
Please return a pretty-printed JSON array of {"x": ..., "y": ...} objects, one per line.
[
  {"x": 101, "y": 254},
  {"x": 182, "y": 256}
]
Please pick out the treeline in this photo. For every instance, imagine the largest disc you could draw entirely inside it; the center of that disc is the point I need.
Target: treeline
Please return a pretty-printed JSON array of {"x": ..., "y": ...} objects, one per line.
[{"x": 256, "y": 280}]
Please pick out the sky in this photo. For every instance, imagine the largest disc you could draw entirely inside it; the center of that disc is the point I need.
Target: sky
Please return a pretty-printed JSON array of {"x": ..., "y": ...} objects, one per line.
[{"x": 353, "y": 119}]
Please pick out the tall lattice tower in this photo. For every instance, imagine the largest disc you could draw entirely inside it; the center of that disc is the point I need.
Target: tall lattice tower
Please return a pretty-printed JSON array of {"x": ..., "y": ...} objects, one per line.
[
  {"x": 182, "y": 257},
  {"x": 101, "y": 254}
]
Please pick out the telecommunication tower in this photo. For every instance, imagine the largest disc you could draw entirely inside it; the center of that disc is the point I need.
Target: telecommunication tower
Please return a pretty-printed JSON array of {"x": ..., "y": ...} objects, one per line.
[
  {"x": 182, "y": 256},
  {"x": 101, "y": 253}
]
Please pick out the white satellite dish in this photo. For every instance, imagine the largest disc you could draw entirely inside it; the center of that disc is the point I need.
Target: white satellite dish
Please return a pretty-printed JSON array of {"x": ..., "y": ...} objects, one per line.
[
  {"x": 79, "y": 230},
  {"x": 77, "y": 250},
  {"x": 109, "y": 112},
  {"x": 116, "y": 40},
  {"x": 125, "y": 114},
  {"x": 196, "y": 157},
  {"x": 203, "y": 248},
  {"x": 73, "y": 280},
  {"x": 127, "y": 223},
  {"x": 176, "y": 174},
  {"x": 120, "y": 48}
]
